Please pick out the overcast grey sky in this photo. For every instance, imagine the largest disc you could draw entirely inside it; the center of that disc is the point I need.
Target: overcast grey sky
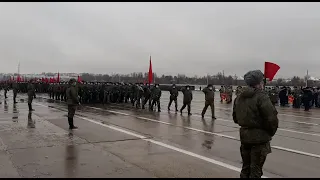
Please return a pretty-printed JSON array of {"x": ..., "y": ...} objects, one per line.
[{"x": 189, "y": 38}]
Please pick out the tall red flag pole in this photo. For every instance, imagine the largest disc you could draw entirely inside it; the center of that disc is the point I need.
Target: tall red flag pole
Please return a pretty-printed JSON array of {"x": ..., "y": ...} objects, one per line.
[
  {"x": 150, "y": 73},
  {"x": 58, "y": 78}
]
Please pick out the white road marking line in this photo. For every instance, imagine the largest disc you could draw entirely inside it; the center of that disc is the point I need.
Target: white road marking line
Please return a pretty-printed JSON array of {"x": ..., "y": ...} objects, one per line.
[
  {"x": 296, "y": 151},
  {"x": 207, "y": 132},
  {"x": 300, "y": 122},
  {"x": 213, "y": 161},
  {"x": 299, "y": 132},
  {"x": 278, "y": 114}
]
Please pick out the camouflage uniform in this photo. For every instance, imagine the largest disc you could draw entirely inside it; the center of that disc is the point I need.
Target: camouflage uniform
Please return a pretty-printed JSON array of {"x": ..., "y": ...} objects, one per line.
[
  {"x": 147, "y": 96},
  {"x": 257, "y": 117},
  {"x": 31, "y": 95},
  {"x": 155, "y": 96},
  {"x": 274, "y": 97},
  {"x": 139, "y": 95},
  {"x": 72, "y": 101},
  {"x": 187, "y": 98},
  {"x": 173, "y": 97},
  {"x": 209, "y": 100}
]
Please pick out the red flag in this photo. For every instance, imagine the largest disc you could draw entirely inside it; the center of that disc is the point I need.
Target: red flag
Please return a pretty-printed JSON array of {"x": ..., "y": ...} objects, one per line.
[
  {"x": 270, "y": 70},
  {"x": 79, "y": 79},
  {"x": 58, "y": 78},
  {"x": 150, "y": 72}
]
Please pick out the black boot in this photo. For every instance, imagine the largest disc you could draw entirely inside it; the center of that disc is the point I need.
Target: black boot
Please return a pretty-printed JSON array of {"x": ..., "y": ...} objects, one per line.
[
  {"x": 71, "y": 126},
  {"x": 30, "y": 107}
]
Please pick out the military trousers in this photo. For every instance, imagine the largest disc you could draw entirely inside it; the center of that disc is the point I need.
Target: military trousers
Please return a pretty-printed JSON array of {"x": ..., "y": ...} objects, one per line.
[
  {"x": 71, "y": 110},
  {"x": 145, "y": 100},
  {"x": 175, "y": 102},
  {"x": 253, "y": 158},
  {"x": 206, "y": 105},
  {"x": 155, "y": 102},
  {"x": 15, "y": 92},
  {"x": 186, "y": 104}
]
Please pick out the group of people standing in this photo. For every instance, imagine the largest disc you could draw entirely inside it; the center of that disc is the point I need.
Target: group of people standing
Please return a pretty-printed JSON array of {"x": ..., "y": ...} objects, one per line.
[
  {"x": 300, "y": 96},
  {"x": 17, "y": 87}
]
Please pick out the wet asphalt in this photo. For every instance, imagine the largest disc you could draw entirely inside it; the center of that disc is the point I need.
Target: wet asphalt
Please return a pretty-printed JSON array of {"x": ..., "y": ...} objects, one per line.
[{"x": 118, "y": 140}]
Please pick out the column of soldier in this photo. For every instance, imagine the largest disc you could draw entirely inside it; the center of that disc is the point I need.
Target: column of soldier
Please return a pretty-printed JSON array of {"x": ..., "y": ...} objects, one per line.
[{"x": 105, "y": 93}]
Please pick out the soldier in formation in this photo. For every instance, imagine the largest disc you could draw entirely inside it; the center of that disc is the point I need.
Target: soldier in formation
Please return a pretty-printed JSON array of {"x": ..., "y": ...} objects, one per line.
[
  {"x": 31, "y": 94},
  {"x": 72, "y": 101}
]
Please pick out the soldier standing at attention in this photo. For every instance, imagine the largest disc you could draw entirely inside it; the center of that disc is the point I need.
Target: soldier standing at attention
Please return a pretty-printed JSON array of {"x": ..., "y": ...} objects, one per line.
[
  {"x": 187, "y": 98},
  {"x": 31, "y": 94},
  {"x": 173, "y": 97},
  {"x": 72, "y": 101},
  {"x": 209, "y": 100},
  {"x": 257, "y": 117}
]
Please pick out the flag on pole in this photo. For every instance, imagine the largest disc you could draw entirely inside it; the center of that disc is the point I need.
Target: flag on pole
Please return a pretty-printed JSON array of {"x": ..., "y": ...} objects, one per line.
[
  {"x": 58, "y": 78},
  {"x": 270, "y": 70},
  {"x": 150, "y": 72},
  {"x": 79, "y": 79}
]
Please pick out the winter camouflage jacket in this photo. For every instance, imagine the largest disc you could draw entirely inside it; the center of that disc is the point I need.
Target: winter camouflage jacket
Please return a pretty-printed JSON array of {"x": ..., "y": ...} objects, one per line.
[
  {"x": 256, "y": 115},
  {"x": 72, "y": 96}
]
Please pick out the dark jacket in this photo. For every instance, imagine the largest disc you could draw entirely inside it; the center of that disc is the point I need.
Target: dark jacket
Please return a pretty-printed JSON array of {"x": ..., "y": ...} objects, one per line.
[
  {"x": 72, "y": 95},
  {"x": 156, "y": 93},
  {"x": 209, "y": 94},
  {"x": 174, "y": 93},
  {"x": 187, "y": 96},
  {"x": 256, "y": 115},
  {"x": 31, "y": 90}
]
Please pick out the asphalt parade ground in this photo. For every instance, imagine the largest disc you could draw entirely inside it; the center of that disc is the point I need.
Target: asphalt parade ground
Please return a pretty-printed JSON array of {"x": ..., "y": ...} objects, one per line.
[{"x": 118, "y": 140}]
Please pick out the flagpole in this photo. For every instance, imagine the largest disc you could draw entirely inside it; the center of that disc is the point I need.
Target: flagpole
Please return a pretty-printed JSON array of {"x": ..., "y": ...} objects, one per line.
[{"x": 307, "y": 78}]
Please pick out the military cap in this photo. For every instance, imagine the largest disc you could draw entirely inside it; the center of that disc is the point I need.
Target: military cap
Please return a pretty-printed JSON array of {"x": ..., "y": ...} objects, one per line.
[{"x": 253, "y": 78}]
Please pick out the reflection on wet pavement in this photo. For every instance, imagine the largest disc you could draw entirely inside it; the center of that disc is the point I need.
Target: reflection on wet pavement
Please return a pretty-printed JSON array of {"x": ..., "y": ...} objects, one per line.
[
  {"x": 71, "y": 161},
  {"x": 209, "y": 138},
  {"x": 5, "y": 106},
  {"x": 31, "y": 122},
  {"x": 15, "y": 113}
]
